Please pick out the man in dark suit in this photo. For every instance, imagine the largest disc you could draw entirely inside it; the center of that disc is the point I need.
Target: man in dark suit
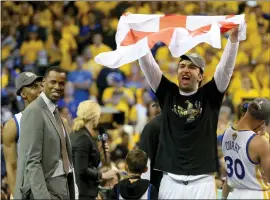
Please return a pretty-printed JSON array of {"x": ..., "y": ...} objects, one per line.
[
  {"x": 45, "y": 159},
  {"x": 149, "y": 143}
]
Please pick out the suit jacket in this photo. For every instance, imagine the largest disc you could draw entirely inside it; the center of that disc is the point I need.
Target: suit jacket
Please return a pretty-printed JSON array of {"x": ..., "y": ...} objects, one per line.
[
  {"x": 39, "y": 153},
  {"x": 86, "y": 159}
]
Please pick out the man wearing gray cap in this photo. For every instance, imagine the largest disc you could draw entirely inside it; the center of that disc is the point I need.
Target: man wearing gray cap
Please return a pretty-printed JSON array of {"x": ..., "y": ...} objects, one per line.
[
  {"x": 247, "y": 155},
  {"x": 28, "y": 86},
  {"x": 187, "y": 150}
]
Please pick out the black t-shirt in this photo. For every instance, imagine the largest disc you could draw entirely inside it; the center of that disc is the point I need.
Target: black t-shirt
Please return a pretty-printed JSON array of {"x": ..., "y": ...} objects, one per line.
[{"x": 188, "y": 140}]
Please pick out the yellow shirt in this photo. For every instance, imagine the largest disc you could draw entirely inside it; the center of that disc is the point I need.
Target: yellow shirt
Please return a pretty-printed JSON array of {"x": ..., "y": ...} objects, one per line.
[
  {"x": 172, "y": 77},
  {"x": 71, "y": 29},
  {"x": 242, "y": 94},
  {"x": 262, "y": 75},
  {"x": 95, "y": 50},
  {"x": 106, "y": 6},
  {"x": 5, "y": 52},
  {"x": 114, "y": 24},
  {"x": 265, "y": 6},
  {"x": 145, "y": 9},
  {"x": 133, "y": 114},
  {"x": 126, "y": 69},
  {"x": 29, "y": 49},
  {"x": 4, "y": 80},
  {"x": 83, "y": 7},
  {"x": 210, "y": 69},
  {"x": 66, "y": 44},
  {"x": 236, "y": 83},
  {"x": 122, "y": 104},
  {"x": 265, "y": 93},
  {"x": 46, "y": 19}
]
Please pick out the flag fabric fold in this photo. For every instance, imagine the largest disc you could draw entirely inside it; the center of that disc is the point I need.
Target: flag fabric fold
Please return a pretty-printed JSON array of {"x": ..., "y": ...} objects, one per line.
[{"x": 138, "y": 33}]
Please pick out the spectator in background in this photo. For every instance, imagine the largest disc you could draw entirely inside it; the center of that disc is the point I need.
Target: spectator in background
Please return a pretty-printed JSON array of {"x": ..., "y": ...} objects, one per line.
[
  {"x": 53, "y": 47},
  {"x": 69, "y": 26},
  {"x": 102, "y": 80},
  {"x": 121, "y": 150},
  {"x": 30, "y": 48},
  {"x": 135, "y": 79},
  {"x": 88, "y": 27},
  {"x": 153, "y": 110},
  {"x": 98, "y": 46},
  {"x": 9, "y": 43},
  {"x": 118, "y": 96},
  {"x": 108, "y": 33},
  {"x": 247, "y": 90},
  {"x": 224, "y": 120},
  {"x": 90, "y": 65},
  {"x": 138, "y": 113},
  {"x": 68, "y": 100},
  {"x": 41, "y": 31},
  {"x": 81, "y": 80}
]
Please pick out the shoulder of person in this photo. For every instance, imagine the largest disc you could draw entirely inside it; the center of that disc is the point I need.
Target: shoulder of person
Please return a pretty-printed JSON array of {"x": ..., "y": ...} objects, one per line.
[
  {"x": 259, "y": 144},
  {"x": 33, "y": 106},
  {"x": 9, "y": 130}
]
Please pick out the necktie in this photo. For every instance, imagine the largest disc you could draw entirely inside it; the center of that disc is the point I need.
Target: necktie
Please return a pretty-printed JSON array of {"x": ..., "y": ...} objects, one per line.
[{"x": 63, "y": 141}]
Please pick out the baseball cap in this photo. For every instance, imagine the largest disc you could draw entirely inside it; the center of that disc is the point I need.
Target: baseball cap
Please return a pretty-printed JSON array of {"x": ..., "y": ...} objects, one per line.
[
  {"x": 196, "y": 59},
  {"x": 33, "y": 29},
  {"x": 117, "y": 77},
  {"x": 24, "y": 79},
  {"x": 260, "y": 109}
]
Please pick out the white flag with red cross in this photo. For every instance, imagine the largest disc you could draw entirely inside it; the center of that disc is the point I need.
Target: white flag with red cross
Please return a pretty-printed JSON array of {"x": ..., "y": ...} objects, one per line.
[{"x": 137, "y": 34}]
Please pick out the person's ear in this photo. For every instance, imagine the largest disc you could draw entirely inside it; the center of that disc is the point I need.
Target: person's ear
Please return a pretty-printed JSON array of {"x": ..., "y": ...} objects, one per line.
[
  {"x": 200, "y": 77},
  {"x": 145, "y": 169},
  {"x": 23, "y": 95}
]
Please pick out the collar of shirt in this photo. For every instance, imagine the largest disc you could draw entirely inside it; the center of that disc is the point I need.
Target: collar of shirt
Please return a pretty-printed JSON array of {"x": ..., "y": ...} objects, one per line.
[
  {"x": 48, "y": 102},
  {"x": 187, "y": 93}
]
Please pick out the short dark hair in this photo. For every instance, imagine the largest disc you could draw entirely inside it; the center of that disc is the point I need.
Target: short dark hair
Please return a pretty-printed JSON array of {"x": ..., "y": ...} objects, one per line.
[
  {"x": 53, "y": 68},
  {"x": 136, "y": 161}
]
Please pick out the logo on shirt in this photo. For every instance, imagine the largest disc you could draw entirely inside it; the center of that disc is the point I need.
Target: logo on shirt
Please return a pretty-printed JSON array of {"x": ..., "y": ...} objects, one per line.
[
  {"x": 234, "y": 136},
  {"x": 191, "y": 112}
]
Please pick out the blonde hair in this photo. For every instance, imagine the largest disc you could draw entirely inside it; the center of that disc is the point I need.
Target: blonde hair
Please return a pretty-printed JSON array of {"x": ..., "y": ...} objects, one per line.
[{"x": 88, "y": 111}]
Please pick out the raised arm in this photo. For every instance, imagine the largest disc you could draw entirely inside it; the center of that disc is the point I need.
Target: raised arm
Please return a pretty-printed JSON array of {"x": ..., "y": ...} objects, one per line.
[
  {"x": 31, "y": 142},
  {"x": 151, "y": 70},
  {"x": 225, "y": 67},
  {"x": 10, "y": 153}
]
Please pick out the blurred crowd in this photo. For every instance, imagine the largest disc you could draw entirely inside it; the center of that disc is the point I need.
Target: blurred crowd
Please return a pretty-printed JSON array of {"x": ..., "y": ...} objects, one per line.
[{"x": 36, "y": 35}]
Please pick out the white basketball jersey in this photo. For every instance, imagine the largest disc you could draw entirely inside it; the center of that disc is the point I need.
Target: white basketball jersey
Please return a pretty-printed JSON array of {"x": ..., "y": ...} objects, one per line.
[
  {"x": 17, "y": 118},
  {"x": 241, "y": 171}
]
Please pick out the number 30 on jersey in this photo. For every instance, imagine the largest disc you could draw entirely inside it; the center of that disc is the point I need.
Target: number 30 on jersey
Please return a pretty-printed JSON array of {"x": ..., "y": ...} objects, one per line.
[{"x": 235, "y": 167}]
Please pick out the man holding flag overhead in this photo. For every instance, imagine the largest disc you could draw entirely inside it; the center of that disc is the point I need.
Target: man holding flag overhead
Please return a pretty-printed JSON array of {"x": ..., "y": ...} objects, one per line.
[{"x": 187, "y": 152}]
